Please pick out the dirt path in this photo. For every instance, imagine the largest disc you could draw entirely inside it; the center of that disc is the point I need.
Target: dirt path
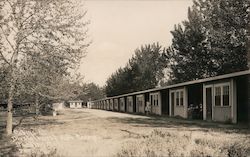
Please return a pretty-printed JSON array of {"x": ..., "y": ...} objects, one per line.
[
  {"x": 88, "y": 132},
  {"x": 77, "y": 132}
]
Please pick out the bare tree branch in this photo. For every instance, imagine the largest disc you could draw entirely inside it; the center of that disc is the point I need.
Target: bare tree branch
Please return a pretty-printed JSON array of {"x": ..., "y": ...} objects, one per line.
[
  {"x": 6, "y": 61},
  {"x": 7, "y": 39}
]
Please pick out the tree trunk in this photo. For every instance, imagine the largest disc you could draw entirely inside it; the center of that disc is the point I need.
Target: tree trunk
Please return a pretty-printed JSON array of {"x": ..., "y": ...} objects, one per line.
[
  {"x": 13, "y": 80},
  {"x": 37, "y": 104},
  {"x": 10, "y": 109}
]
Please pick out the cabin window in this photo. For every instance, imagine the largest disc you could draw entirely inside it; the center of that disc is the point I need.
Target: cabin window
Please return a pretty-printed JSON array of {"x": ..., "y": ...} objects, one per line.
[
  {"x": 157, "y": 100},
  {"x": 218, "y": 96},
  {"x": 177, "y": 99},
  {"x": 226, "y": 95},
  {"x": 181, "y": 98},
  {"x": 222, "y": 97},
  {"x": 154, "y": 99}
]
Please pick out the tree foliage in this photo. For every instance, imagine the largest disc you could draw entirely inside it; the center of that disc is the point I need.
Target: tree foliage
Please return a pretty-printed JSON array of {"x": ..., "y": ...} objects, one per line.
[
  {"x": 211, "y": 42},
  {"x": 90, "y": 91},
  {"x": 188, "y": 53},
  {"x": 48, "y": 34},
  {"x": 143, "y": 71}
]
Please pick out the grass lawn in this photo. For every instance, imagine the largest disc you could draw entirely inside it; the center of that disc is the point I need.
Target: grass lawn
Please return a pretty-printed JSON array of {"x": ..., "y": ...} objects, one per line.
[
  {"x": 7, "y": 147},
  {"x": 86, "y": 132}
]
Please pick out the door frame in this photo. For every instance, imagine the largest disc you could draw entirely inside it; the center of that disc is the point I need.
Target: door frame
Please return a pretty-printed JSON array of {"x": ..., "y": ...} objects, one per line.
[
  {"x": 130, "y": 108},
  {"x": 205, "y": 103},
  {"x": 171, "y": 107},
  {"x": 140, "y": 109},
  {"x": 155, "y": 109}
]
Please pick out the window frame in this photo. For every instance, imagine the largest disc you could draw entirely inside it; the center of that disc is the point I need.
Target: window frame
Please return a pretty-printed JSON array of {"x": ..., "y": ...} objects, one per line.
[
  {"x": 177, "y": 98},
  {"x": 174, "y": 92},
  {"x": 181, "y": 99},
  {"x": 154, "y": 99},
  {"x": 221, "y": 86},
  {"x": 217, "y": 87}
]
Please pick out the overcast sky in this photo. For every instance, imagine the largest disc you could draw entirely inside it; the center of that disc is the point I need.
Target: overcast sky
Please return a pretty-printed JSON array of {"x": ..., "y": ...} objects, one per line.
[{"x": 119, "y": 27}]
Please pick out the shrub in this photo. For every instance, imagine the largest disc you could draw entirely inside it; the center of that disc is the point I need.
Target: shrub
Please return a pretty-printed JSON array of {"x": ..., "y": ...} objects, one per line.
[
  {"x": 185, "y": 143},
  {"x": 239, "y": 149}
]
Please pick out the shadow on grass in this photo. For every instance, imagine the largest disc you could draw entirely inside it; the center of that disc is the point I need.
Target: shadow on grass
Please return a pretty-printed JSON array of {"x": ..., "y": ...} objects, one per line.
[
  {"x": 32, "y": 122},
  {"x": 176, "y": 123},
  {"x": 7, "y": 148}
]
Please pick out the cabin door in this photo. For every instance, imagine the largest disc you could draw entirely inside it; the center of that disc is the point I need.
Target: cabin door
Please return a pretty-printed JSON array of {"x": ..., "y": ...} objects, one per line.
[
  {"x": 172, "y": 102},
  {"x": 209, "y": 103},
  {"x": 155, "y": 100}
]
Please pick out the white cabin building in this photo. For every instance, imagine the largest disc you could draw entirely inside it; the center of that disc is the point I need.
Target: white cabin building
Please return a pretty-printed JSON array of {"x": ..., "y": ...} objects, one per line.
[{"x": 75, "y": 104}]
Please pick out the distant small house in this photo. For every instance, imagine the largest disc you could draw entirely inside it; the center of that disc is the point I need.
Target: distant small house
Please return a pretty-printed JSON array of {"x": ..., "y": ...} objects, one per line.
[
  {"x": 58, "y": 106},
  {"x": 75, "y": 104}
]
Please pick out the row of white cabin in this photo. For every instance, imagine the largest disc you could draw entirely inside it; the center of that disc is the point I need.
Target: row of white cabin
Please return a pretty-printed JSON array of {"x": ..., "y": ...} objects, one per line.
[{"x": 224, "y": 98}]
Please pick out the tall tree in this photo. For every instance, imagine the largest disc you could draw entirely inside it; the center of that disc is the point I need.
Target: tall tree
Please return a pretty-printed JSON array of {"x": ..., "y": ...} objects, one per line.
[
  {"x": 188, "y": 54},
  {"x": 211, "y": 42},
  {"x": 48, "y": 29},
  {"x": 226, "y": 24},
  {"x": 143, "y": 71},
  {"x": 90, "y": 91},
  {"x": 148, "y": 66}
]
